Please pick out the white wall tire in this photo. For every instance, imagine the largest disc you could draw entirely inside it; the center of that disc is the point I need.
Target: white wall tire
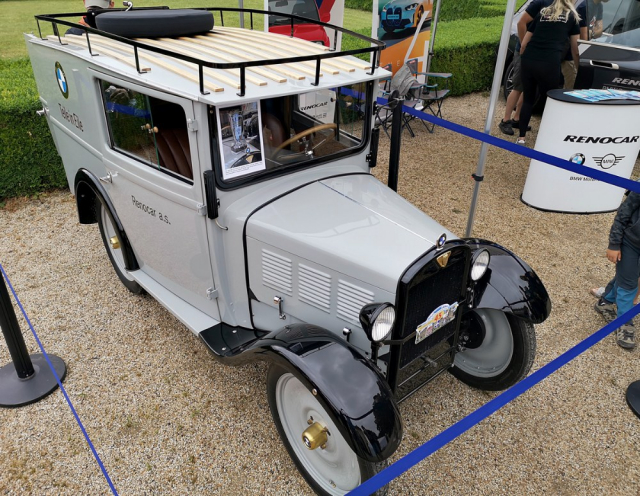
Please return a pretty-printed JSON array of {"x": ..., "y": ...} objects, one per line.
[
  {"x": 335, "y": 470},
  {"x": 504, "y": 356},
  {"x": 108, "y": 231}
]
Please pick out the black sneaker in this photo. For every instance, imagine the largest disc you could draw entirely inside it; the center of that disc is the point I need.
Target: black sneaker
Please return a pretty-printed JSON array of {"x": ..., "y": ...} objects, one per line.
[
  {"x": 626, "y": 336},
  {"x": 506, "y": 128},
  {"x": 516, "y": 125},
  {"x": 606, "y": 309}
]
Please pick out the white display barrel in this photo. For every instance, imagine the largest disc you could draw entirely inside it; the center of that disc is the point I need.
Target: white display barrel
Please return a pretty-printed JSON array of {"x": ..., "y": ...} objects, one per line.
[{"x": 601, "y": 135}]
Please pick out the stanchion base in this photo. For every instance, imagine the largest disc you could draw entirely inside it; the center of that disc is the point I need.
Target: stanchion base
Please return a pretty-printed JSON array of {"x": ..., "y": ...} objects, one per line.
[
  {"x": 633, "y": 397},
  {"x": 16, "y": 392}
]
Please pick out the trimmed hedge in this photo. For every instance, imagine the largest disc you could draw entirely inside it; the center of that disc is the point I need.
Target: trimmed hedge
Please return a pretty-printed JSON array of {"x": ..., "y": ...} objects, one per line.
[
  {"x": 468, "y": 50},
  {"x": 29, "y": 162}
]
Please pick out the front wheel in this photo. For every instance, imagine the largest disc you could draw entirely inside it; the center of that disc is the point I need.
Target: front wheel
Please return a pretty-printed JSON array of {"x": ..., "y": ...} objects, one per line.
[
  {"x": 114, "y": 250},
  {"x": 332, "y": 468},
  {"x": 499, "y": 352}
]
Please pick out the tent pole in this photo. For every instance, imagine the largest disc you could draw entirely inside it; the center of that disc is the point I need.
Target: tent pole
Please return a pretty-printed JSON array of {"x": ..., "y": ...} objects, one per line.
[
  {"x": 495, "y": 89},
  {"x": 434, "y": 26}
]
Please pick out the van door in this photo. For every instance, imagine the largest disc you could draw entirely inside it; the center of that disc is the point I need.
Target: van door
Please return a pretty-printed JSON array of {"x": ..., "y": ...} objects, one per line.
[{"x": 153, "y": 179}]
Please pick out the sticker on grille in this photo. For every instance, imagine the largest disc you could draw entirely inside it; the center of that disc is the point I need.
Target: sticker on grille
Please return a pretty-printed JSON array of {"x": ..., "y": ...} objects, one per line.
[
  {"x": 276, "y": 272},
  {"x": 351, "y": 299},
  {"x": 314, "y": 288}
]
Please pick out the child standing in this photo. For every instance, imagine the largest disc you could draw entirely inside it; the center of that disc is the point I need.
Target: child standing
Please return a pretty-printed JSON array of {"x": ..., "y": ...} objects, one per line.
[{"x": 624, "y": 251}]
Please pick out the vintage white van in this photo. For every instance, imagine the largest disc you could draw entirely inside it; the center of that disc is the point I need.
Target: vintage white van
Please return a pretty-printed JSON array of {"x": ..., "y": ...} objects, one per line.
[{"x": 229, "y": 172}]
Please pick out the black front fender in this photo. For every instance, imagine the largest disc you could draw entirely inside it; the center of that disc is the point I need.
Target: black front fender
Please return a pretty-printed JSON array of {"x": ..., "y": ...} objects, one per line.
[
  {"x": 348, "y": 386},
  {"x": 510, "y": 285}
]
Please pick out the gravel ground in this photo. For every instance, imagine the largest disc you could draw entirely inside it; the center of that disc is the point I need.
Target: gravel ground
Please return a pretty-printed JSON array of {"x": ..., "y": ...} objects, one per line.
[{"x": 167, "y": 419}]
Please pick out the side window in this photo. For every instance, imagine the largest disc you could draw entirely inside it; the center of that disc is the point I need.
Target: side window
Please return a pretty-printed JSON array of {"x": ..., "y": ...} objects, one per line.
[{"x": 149, "y": 129}]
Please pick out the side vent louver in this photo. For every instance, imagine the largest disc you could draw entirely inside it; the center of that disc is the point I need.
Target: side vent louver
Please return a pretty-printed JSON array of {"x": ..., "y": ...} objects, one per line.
[
  {"x": 314, "y": 288},
  {"x": 276, "y": 272},
  {"x": 351, "y": 299}
]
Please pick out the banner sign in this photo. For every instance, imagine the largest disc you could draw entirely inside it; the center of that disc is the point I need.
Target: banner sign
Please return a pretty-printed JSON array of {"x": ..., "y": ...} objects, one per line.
[
  {"x": 329, "y": 11},
  {"x": 405, "y": 27}
]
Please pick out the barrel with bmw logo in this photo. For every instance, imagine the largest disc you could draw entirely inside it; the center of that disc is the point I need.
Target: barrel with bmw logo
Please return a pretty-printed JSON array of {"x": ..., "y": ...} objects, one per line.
[{"x": 602, "y": 135}]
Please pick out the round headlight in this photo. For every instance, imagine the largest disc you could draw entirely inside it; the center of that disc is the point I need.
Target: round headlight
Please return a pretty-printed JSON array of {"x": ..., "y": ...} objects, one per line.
[
  {"x": 383, "y": 323},
  {"x": 480, "y": 265},
  {"x": 377, "y": 320}
]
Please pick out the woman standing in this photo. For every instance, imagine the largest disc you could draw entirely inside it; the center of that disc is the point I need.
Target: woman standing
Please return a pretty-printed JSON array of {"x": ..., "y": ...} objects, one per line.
[{"x": 542, "y": 52}]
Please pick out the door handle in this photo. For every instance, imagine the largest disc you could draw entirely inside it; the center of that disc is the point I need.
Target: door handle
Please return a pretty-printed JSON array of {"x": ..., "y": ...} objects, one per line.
[
  {"x": 605, "y": 65},
  {"x": 108, "y": 179},
  {"x": 43, "y": 111}
]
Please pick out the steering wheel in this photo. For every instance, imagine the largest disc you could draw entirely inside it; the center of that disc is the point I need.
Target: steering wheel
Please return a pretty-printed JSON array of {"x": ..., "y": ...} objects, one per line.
[{"x": 306, "y": 132}]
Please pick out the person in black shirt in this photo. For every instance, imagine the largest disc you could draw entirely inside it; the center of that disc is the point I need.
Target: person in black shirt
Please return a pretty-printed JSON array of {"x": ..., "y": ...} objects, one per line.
[
  {"x": 542, "y": 52},
  {"x": 595, "y": 11}
]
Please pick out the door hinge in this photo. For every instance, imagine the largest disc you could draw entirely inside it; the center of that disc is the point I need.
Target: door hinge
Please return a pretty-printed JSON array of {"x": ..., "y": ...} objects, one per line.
[
  {"x": 212, "y": 293},
  {"x": 192, "y": 124},
  {"x": 202, "y": 209}
]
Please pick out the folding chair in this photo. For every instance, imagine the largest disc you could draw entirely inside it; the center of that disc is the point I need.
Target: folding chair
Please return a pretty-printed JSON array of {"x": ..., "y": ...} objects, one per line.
[
  {"x": 407, "y": 86},
  {"x": 435, "y": 88}
]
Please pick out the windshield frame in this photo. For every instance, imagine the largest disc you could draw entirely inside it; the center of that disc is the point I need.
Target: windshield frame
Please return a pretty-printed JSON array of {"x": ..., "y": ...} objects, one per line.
[{"x": 266, "y": 175}]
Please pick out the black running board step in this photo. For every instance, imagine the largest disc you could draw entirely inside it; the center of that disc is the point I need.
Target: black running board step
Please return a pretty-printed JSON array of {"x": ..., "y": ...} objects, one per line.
[{"x": 225, "y": 341}]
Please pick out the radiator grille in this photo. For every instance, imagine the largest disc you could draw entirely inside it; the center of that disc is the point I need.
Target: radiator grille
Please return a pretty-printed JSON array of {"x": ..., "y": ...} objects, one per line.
[
  {"x": 351, "y": 299},
  {"x": 314, "y": 287},
  {"x": 276, "y": 272},
  {"x": 438, "y": 286}
]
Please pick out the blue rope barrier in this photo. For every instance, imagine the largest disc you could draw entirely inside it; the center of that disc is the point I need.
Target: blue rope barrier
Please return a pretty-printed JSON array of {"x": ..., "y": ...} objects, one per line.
[
  {"x": 64, "y": 392},
  {"x": 463, "y": 425},
  {"x": 523, "y": 150}
]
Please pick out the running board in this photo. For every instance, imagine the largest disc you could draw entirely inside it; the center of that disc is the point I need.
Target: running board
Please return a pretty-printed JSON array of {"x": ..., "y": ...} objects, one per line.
[
  {"x": 196, "y": 320},
  {"x": 225, "y": 341}
]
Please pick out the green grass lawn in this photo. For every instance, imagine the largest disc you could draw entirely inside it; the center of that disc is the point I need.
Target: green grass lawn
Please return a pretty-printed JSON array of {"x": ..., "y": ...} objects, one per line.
[{"x": 16, "y": 17}]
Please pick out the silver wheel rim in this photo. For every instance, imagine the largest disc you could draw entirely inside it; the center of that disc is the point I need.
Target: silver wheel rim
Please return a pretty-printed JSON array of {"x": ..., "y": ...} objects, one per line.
[
  {"x": 335, "y": 468},
  {"x": 493, "y": 356},
  {"x": 110, "y": 232}
]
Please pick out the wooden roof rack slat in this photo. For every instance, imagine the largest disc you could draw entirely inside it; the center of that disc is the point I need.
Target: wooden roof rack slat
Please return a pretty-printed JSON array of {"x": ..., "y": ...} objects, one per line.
[
  {"x": 225, "y": 58},
  {"x": 310, "y": 48},
  {"x": 273, "y": 49},
  {"x": 274, "y": 68},
  {"x": 80, "y": 40},
  {"x": 195, "y": 53},
  {"x": 165, "y": 65},
  {"x": 293, "y": 66}
]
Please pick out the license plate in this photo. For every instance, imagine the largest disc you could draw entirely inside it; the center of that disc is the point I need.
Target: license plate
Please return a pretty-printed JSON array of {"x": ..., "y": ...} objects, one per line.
[
  {"x": 393, "y": 16},
  {"x": 440, "y": 317}
]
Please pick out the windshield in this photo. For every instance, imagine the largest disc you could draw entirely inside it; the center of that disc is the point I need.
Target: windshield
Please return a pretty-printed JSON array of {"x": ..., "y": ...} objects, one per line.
[
  {"x": 303, "y": 8},
  {"x": 614, "y": 21},
  {"x": 286, "y": 132}
]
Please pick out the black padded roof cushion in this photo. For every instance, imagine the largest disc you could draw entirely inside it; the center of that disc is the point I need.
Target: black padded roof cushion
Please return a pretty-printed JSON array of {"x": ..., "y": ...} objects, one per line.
[{"x": 155, "y": 23}]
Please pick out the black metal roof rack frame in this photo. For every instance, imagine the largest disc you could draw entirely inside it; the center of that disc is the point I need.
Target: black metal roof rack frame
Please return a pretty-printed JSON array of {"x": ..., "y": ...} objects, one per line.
[{"x": 56, "y": 19}]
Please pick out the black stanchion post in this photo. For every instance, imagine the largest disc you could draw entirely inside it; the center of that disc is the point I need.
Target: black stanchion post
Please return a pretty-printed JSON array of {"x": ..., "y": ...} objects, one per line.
[
  {"x": 633, "y": 397},
  {"x": 395, "y": 102},
  {"x": 28, "y": 378}
]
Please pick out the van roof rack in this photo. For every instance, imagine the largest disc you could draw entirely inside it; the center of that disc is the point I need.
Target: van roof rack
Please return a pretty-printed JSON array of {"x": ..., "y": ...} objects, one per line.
[{"x": 200, "y": 50}]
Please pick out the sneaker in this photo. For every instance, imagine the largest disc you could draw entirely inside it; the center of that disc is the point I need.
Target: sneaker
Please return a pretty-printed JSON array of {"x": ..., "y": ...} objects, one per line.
[
  {"x": 506, "y": 128},
  {"x": 516, "y": 125},
  {"x": 606, "y": 309},
  {"x": 626, "y": 336}
]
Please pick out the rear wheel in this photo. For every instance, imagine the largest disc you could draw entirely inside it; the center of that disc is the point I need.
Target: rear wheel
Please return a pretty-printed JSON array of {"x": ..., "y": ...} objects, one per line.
[
  {"x": 332, "y": 468},
  {"x": 507, "y": 80},
  {"x": 114, "y": 250},
  {"x": 500, "y": 349}
]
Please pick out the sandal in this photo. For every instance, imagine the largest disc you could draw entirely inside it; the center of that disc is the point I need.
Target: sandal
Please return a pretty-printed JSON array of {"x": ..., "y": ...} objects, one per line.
[{"x": 521, "y": 141}]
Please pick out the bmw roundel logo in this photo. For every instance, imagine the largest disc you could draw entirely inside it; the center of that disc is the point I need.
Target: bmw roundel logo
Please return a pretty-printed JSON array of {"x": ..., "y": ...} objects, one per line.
[
  {"x": 62, "y": 80},
  {"x": 578, "y": 158},
  {"x": 441, "y": 241}
]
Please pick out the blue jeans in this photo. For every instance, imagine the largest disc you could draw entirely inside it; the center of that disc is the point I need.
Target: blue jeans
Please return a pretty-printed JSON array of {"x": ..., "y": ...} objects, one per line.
[{"x": 626, "y": 281}]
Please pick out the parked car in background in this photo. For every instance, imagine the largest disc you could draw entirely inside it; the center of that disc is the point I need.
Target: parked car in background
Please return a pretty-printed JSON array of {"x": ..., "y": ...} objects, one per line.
[
  {"x": 612, "y": 59},
  {"x": 304, "y": 8},
  {"x": 403, "y": 14}
]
